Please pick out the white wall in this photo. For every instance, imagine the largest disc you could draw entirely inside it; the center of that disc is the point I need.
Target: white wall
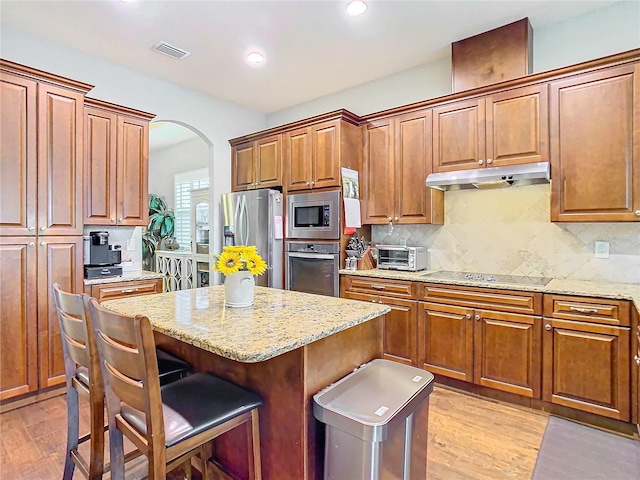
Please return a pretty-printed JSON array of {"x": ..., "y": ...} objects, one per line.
[
  {"x": 602, "y": 32},
  {"x": 166, "y": 162}
]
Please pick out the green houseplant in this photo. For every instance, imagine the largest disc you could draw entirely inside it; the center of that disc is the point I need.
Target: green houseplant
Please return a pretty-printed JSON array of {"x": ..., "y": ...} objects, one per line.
[{"x": 161, "y": 227}]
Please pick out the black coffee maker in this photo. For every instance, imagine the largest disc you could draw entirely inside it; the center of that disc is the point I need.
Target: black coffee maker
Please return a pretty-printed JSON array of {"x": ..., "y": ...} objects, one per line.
[{"x": 101, "y": 259}]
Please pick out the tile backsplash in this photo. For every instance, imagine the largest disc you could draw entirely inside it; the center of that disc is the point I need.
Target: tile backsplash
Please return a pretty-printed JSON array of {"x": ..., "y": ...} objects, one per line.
[{"x": 508, "y": 231}]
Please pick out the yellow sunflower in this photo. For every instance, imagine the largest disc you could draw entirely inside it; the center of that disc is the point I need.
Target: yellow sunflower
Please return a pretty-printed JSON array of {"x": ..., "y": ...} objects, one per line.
[
  {"x": 255, "y": 264},
  {"x": 229, "y": 262}
]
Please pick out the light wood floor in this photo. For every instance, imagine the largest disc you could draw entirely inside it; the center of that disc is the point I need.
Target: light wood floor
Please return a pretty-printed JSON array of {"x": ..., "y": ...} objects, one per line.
[{"x": 469, "y": 438}]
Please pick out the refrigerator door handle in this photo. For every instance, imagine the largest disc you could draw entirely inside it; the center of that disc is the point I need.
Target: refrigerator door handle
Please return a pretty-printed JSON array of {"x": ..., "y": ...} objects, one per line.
[{"x": 244, "y": 213}]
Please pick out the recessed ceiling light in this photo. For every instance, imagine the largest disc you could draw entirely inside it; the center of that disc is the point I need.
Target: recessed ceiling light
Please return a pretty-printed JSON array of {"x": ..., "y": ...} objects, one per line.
[
  {"x": 356, "y": 7},
  {"x": 255, "y": 57}
]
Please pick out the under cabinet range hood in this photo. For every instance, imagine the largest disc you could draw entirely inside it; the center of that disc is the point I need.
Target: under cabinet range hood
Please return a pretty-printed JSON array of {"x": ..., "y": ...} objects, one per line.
[{"x": 491, "y": 177}]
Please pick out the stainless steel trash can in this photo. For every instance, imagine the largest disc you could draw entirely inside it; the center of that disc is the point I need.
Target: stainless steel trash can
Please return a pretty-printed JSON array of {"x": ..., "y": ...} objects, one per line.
[{"x": 376, "y": 423}]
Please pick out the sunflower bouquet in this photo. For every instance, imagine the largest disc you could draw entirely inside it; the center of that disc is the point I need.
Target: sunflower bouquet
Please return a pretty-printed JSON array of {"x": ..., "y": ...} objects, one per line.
[{"x": 239, "y": 259}]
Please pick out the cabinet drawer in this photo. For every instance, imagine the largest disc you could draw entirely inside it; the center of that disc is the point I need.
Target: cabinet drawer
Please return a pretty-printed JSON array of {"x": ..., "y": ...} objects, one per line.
[
  {"x": 109, "y": 291},
  {"x": 490, "y": 299},
  {"x": 594, "y": 310},
  {"x": 377, "y": 286}
]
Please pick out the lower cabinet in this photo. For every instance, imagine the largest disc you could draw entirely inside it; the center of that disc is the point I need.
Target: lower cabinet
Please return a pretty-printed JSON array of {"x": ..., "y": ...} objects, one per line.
[
  {"x": 31, "y": 351},
  {"x": 493, "y": 349},
  {"x": 110, "y": 291}
]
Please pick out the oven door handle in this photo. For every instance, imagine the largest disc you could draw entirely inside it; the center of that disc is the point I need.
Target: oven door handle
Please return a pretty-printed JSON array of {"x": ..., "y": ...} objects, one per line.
[{"x": 319, "y": 256}]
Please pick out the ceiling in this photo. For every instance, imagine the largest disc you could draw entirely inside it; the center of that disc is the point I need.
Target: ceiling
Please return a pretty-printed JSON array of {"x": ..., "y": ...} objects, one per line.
[{"x": 312, "y": 48}]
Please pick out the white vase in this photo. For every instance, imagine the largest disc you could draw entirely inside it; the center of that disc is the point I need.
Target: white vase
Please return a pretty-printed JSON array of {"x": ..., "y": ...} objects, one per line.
[{"x": 238, "y": 289}]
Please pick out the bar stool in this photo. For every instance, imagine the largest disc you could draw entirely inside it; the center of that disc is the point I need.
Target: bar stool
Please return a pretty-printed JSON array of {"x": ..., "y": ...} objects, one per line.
[
  {"x": 174, "y": 423},
  {"x": 83, "y": 376}
]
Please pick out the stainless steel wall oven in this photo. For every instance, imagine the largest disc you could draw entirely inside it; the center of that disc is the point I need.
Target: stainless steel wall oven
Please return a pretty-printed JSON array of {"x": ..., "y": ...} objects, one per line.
[{"x": 313, "y": 267}]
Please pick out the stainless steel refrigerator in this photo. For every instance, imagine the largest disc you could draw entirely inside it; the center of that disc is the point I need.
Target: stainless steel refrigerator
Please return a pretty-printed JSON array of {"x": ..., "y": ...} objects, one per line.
[{"x": 255, "y": 218}]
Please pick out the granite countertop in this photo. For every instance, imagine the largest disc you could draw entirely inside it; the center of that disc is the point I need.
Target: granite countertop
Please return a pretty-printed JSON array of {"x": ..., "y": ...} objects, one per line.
[
  {"x": 619, "y": 291},
  {"x": 143, "y": 275},
  {"x": 278, "y": 322}
]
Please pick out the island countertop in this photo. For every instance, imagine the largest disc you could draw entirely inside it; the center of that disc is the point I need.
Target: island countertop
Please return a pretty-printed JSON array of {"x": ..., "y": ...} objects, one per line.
[{"x": 278, "y": 322}]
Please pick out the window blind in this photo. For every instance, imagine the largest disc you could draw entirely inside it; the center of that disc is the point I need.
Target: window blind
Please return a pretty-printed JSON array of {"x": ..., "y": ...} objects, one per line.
[{"x": 183, "y": 184}]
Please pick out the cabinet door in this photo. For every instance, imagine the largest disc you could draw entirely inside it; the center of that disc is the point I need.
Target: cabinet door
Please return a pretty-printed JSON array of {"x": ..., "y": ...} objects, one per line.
[
  {"x": 400, "y": 342},
  {"x": 508, "y": 352},
  {"x": 587, "y": 367},
  {"x": 446, "y": 340},
  {"x": 595, "y": 146},
  {"x": 414, "y": 203},
  {"x": 269, "y": 162},
  {"x": 60, "y": 165},
  {"x": 243, "y": 166},
  {"x": 378, "y": 172},
  {"x": 100, "y": 166},
  {"x": 18, "y": 156},
  {"x": 298, "y": 153},
  {"x": 459, "y": 135},
  {"x": 59, "y": 260},
  {"x": 18, "y": 317},
  {"x": 132, "y": 205},
  {"x": 518, "y": 126},
  {"x": 325, "y": 168}
]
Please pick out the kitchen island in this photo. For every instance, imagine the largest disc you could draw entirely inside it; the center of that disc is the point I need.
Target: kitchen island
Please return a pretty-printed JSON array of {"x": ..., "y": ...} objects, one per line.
[{"x": 286, "y": 347}]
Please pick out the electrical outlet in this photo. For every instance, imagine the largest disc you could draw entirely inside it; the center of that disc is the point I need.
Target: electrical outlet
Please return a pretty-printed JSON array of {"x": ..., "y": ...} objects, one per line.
[{"x": 602, "y": 250}]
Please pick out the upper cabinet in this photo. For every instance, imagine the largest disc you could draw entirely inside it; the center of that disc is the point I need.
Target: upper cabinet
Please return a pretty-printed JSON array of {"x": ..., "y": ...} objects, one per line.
[
  {"x": 505, "y": 128},
  {"x": 257, "y": 163},
  {"x": 315, "y": 153},
  {"x": 116, "y": 164},
  {"x": 397, "y": 160},
  {"x": 41, "y": 155},
  {"x": 595, "y": 146}
]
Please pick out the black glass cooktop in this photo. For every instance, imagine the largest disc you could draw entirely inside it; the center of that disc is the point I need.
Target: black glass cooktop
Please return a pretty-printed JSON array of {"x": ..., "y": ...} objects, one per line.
[{"x": 488, "y": 277}]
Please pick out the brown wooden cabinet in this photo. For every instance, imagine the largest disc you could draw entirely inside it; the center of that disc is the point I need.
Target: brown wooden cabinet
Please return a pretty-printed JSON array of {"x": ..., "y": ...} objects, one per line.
[
  {"x": 509, "y": 127},
  {"x": 41, "y": 168},
  {"x": 397, "y": 160},
  {"x": 400, "y": 324},
  {"x": 463, "y": 338},
  {"x": 595, "y": 146},
  {"x": 257, "y": 164},
  {"x": 127, "y": 288},
  {"x": 586, "y": 359},
  {"x": 315, "y": 153},
  {"x": 116, "y": 164}
]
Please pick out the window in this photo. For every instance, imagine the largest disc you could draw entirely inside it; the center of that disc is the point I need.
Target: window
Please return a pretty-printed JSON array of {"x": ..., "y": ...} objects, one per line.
[{"x": 183, "y": 184}]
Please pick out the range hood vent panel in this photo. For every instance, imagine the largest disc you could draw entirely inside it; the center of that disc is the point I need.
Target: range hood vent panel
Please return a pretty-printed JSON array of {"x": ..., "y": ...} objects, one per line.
[{"x": 491, "y": 177}]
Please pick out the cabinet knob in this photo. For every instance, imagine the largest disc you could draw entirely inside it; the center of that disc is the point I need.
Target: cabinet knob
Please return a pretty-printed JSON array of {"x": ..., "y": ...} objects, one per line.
[
  {"x": 468, "y": 316},
  {"x": 113, "y": 220},
  {"x": 547, "y": 327},
  {"x": 312, "y": 183},
  {"x": 637, "y": 212},
  {"x": 480, "y": 162},
  {"x": 43, "y": 244},
  {"x": 42, "y": 229},
  {"x": 489, "y": 161},
  {"x": 477, "y": 317},
  {"x": 31, "y": 229},
  {"x": 395, "y": 219},
  {"x": 31, "y": 244},
  {"x": 637, "y": 360},
  {"x": 120, "y": 219}
]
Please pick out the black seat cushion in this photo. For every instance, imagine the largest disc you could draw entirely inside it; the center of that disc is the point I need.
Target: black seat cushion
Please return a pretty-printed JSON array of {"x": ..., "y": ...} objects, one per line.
[
  {"x": 194, "y": 404},
  {"x": 170, "y": 367}
]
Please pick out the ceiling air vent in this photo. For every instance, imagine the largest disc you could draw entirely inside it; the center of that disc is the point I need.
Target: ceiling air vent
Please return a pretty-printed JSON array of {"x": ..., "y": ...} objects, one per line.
[{"x": 175, "y": 52}]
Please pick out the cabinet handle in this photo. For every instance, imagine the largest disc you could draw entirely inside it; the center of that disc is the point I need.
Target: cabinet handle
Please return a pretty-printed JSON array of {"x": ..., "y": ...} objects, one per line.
[
  {"x": 547, "y": 327},
  {"x": 42, "y": 229},
  {"x": 468, "y": 316},
  {"x": 31, "y": 229},
  {"x": 637, "y": 359},
  {"x": 378, "y": 287},
  {"x": 477, "y": 317},
  {"x": 130, "y": 290},
  {"x": 489, "y": 161},
  {"x": 480, "y": 162},
  {"x": 583, "y": 310}
]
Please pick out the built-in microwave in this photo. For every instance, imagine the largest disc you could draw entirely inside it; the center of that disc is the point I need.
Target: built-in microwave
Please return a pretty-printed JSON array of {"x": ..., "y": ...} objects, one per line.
[{"x": 313, "y": 215}]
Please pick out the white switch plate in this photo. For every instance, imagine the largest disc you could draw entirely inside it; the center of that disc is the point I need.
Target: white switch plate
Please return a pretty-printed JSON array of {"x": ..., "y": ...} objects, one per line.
[{"x": 602, "y": 250}]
